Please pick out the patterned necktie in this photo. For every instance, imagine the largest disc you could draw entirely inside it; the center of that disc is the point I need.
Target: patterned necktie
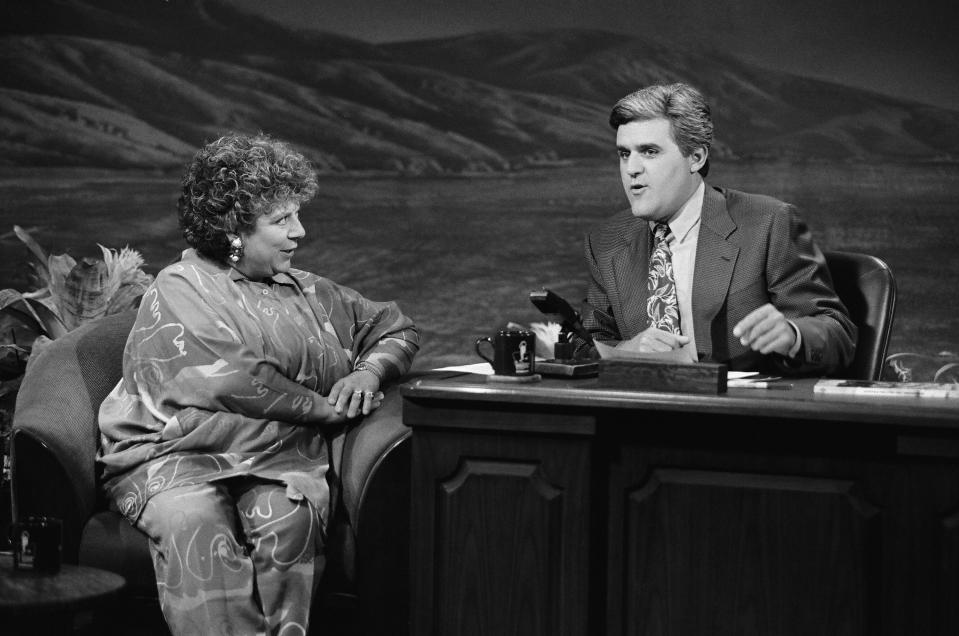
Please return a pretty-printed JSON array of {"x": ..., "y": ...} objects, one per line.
[{"x": 662, "y": 306}]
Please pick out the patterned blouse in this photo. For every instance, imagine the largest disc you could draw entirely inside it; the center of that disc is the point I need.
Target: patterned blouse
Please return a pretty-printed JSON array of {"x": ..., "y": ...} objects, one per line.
[{"x": 220, "y": 374}]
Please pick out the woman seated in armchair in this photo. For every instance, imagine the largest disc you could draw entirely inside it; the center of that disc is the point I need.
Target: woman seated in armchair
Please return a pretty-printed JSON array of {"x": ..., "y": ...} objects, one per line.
[{"x": 236, "y": 372}]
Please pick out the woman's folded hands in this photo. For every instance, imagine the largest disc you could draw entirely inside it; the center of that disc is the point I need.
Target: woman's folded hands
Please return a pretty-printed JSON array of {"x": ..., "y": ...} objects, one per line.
[{"x": 356, "y": 394}]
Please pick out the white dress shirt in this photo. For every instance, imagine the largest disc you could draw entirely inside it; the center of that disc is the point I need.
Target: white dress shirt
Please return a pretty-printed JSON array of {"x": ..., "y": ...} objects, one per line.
[{"x": 684, "y": 235}]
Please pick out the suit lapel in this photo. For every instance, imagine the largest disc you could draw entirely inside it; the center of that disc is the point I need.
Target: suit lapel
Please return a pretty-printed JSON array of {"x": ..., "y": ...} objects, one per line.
[
  {"x": 715, "y": 261},
  {"x": 630, "y": 268}
]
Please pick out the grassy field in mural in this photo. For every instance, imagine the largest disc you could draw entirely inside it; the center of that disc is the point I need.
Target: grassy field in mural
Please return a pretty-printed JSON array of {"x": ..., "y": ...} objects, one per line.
[{"x": 460, "y": 254}]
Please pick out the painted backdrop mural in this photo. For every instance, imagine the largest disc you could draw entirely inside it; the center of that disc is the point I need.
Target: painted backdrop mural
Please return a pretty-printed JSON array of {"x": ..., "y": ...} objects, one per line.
[{"x": 458, "y": 172}]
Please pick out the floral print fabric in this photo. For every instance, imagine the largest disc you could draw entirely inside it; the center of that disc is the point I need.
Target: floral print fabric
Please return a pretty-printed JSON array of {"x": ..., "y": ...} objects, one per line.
[
  {"x": 662, "y": 304},
  {"x": 221, "y": 374},
  {"x": 213, "y": 580}
]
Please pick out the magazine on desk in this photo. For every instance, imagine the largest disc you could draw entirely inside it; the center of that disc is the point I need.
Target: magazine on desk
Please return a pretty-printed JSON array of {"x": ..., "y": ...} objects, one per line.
[{"x": 881, "y": 388}]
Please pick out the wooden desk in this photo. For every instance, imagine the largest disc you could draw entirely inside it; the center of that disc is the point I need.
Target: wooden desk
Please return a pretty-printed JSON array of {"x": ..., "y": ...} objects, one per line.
[
  {"x": 35, "y": 603},
  {"x": 563, "y": 508}
]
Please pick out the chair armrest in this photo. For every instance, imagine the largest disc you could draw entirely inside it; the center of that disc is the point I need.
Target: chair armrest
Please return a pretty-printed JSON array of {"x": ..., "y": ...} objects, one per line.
[
  {"x": 364, "y": 448},
  {"x": 375, "y": 482}
]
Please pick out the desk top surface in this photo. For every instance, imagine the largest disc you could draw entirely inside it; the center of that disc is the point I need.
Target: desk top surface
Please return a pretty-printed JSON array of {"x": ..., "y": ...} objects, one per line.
[{"x": 793, "y": 399}]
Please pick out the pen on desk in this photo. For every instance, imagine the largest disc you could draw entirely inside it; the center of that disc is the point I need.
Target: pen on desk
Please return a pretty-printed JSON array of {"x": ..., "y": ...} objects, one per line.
[{"x": 760, "y": 384}]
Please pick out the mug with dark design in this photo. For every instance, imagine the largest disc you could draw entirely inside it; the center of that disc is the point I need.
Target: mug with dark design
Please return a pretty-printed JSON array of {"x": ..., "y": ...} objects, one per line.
[
  {"x": 36, "y": 544},
  {"x": 514, "y": 351}
]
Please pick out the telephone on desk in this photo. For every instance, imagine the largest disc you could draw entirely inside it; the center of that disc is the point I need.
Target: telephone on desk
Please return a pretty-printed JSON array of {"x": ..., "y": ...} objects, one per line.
[{"x": 563, "y": 363}]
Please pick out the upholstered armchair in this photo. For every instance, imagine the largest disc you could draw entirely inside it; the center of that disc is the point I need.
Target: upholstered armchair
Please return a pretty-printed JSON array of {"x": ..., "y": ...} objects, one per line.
[{"x": 55, "y": 440}]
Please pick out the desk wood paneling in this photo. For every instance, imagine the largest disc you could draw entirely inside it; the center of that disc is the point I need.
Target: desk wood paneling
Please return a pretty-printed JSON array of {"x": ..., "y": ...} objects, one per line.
[{"x": 568, "y": 508}]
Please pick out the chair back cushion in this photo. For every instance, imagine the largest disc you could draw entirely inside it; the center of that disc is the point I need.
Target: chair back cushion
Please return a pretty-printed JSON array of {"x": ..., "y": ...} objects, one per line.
[
  {"x": 866, "y": 286},
  {"x": 56, "y": 416}
]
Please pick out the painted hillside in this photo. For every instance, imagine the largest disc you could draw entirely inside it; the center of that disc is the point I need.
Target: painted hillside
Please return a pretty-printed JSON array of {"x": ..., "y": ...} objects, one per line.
[{"x": 139, "y": 84}]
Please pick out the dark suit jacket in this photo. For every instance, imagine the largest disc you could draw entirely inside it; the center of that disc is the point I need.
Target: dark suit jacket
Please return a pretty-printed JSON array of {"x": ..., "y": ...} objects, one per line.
[{"x": 752, "y": 250}]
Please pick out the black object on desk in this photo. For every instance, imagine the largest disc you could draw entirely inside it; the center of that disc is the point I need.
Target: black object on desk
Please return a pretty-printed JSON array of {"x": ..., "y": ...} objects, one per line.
[
  {"x": 563, "y": 364},
  {"x": 568, "y": 368},
  {"x": 552, "y": 304}
]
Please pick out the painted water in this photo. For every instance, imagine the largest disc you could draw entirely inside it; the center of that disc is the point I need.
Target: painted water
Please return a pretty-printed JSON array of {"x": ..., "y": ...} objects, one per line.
[{"x": 460, "y": 254}]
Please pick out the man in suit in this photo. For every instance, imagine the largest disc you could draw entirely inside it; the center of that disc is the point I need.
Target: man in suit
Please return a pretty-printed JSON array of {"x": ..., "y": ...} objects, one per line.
[{"x": 752, "y": 287}]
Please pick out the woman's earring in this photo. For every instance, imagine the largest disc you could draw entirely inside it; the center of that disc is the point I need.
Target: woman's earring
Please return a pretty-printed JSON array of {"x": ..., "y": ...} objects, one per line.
[{"x": 236, "y": 250}]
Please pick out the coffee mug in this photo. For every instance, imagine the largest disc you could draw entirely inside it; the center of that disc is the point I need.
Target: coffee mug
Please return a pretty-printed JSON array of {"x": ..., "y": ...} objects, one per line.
[
  {"x": 513, "y": 352},
  {"x": 36, "y": 544}
]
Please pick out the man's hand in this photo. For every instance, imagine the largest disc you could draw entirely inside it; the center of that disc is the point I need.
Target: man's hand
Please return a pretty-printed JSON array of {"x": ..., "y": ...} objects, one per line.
[
  {"x": 766, "y": 330},
  {"x": 356, "y": 393},
  {"x": 653, "y": 340}
]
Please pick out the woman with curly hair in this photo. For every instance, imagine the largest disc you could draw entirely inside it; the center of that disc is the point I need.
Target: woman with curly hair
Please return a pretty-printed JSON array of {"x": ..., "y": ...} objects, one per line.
[{"x": 237, "y": 370}]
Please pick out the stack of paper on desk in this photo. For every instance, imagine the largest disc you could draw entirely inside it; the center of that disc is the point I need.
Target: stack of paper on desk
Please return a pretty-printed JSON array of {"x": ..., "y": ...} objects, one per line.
[{"x": 889, "y": 389}]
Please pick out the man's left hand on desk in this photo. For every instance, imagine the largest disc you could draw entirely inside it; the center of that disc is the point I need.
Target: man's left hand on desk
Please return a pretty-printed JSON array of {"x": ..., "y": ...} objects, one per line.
[{"x": 766, "y": 330}]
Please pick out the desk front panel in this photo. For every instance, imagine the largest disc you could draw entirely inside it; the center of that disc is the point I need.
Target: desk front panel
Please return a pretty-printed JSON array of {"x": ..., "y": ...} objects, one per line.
[
  {"x": 733, "y": 527},
  {"x": 702, "y": 518},
  {"x": 501, "y": 529}
]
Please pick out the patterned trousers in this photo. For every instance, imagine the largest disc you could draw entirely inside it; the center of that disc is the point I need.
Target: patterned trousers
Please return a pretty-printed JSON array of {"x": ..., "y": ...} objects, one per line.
[{"x": 235, "y": 557}]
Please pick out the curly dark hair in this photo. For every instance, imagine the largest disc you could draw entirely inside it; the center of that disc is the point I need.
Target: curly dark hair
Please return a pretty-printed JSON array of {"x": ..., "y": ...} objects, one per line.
[{"x": 232, "y": 181}]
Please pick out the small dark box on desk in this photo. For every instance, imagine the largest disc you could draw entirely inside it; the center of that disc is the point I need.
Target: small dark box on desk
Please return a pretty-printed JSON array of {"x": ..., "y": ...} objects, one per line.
[
  {"x": 656, "y": 375},
  {"x": 568, "y": 368}
]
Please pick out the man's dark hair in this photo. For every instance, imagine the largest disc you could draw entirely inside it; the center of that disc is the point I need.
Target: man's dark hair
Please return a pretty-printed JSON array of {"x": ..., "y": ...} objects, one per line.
[{"x": 682, "y": 105}]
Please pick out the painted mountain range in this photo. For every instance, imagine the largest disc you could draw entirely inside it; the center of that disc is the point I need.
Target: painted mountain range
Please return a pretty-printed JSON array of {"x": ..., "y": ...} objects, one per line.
[{"x": 141, "y": 83}]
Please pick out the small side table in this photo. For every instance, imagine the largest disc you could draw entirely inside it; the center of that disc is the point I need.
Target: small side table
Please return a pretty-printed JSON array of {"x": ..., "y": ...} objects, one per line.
[{"x": 37, "y": 603}]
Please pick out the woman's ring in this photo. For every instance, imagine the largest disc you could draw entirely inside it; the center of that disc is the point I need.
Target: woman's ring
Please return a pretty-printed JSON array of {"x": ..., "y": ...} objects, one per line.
[
  {"x": 369, "y": 394},
  {"x": 357, "y": 392}
]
